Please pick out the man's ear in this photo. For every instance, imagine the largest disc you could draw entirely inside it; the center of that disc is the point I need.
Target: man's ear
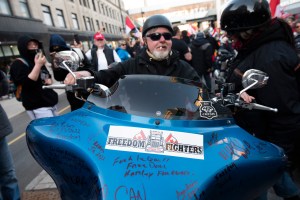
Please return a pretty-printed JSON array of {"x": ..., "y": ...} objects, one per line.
[{"x": 145, "y": 41}]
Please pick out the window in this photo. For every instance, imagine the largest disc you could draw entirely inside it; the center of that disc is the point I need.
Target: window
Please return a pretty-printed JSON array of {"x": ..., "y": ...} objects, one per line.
[
  {"x": 4, "y": 7},
  {"x": 75, "y": 21},
  {"x": 106, "y": 11},
  {"x": 110, "y": 30},
  {"x": 1, "y": 52},
  {"x": 15, "y": 50},
  {"x": 99, "y": 7},
  {"x": 87, "y": 23},
  {"x": 106, "y": 27},
  {"x": 94, "y": 6},
  {"x": 24, "y": 8},
  {"x": 98, "y": 25},
  {"x": 47, "y": 15},
  {"x": 7, "y": 51},
  {"x": 61, "y": 19},
  {"x": 86, "y": 3},
  {"x": 103, "y": 8}
]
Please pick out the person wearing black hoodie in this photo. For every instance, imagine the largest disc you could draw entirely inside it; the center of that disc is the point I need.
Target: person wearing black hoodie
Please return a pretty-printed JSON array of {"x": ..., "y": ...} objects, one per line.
[
  {"x": 202, "y": 53},
  {"x": 57, "y": 44},
  {"x": 30, "y": 72},
  {"x": 267, "y": 44}
]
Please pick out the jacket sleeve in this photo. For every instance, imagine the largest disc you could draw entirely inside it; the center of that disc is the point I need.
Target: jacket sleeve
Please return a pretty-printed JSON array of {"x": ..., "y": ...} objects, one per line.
[{"x": 109, "y": 76}]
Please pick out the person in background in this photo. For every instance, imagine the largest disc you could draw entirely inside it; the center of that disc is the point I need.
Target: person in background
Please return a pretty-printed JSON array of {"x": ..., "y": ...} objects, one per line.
[
  {"x": 179, "y": 45},
  {"x": 297, "y": 36},
  {"x": 101, "y": 56},
  {"x": 202, "y": 53},
  {"x": 156, "y": 58},
  {"x": 9, "y": 188},
  {"x": 130, "y": 42},
  {"x": 291, "y": 21},
  {"x": 267, "y": 44},
  {"x": 121, "y": 51},
  {"x": 137, "y": 47},
  {"x": 213, "y": 41},
  {"x": 185, "y": 37},
  {"x": 57, "y": 44},
  {"x": 31, "y": 73}
]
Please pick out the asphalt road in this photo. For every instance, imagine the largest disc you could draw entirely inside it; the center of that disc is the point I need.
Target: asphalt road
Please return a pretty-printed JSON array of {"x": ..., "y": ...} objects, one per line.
[{"x": 26, "y": 167}]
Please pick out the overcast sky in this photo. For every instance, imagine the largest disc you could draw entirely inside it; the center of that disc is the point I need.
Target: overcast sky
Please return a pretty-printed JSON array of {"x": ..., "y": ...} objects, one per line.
[{"x": 131, "y": 4}]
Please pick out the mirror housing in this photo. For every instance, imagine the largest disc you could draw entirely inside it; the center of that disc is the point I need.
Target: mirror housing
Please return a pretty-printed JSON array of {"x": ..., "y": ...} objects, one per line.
[
  {"x": 254, "y": 78},
  {"x": 68, "y": 60}
]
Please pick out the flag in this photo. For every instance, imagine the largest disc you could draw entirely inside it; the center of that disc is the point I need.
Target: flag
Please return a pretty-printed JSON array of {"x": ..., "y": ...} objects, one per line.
[
  {"x": 273, "y": 6},
  {"x": 130, "y": 27}
]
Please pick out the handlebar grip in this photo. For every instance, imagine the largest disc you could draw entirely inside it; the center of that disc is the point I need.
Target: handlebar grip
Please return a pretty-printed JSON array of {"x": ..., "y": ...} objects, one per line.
[
  {"x": 55, "y": 86},
  {"x": 261, "y": 107}
]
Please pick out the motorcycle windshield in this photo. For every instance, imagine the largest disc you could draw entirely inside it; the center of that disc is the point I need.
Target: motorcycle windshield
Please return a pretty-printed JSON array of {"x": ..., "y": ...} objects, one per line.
[{"x": 161, "y": 97}]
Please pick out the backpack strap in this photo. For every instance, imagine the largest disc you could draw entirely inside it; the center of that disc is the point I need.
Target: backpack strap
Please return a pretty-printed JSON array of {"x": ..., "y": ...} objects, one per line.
[{"x": 23, "y": 61}]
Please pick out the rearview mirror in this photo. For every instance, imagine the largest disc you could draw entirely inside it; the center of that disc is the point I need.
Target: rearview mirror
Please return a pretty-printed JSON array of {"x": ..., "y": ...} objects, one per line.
[
  {"x": 68, "y": 60},
  {"x": 254, "y": 78}
]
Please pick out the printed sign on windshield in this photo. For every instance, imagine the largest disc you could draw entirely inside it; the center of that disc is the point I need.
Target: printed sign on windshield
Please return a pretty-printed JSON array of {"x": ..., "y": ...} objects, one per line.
[{"x": 153, "y": 141}]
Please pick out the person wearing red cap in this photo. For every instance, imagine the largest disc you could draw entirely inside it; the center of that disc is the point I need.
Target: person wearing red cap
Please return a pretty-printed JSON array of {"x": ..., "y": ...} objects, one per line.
[{"x": 101, "y": 56}]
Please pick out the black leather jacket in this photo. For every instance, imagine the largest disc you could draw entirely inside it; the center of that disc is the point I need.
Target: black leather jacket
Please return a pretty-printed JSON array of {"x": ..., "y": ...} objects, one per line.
[{"x": 144, "y": 64}]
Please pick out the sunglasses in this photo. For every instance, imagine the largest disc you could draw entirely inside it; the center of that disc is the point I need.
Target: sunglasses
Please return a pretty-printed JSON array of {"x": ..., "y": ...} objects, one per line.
[
  {"x": 123, "y": 44},
  {"x": 157, "y": 36},
  {"x": 297, "y": 26}
]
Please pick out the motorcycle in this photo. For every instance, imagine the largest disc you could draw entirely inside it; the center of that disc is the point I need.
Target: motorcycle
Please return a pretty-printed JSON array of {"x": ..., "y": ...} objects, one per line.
[{"x": 154, "y": 137}]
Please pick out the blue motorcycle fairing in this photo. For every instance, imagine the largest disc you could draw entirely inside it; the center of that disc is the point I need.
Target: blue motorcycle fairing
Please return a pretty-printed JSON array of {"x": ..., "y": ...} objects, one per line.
[{"x": 74, "y": 149}]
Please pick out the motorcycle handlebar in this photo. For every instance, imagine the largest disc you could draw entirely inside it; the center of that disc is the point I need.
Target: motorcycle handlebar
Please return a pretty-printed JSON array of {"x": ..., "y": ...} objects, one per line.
[
  {"x": 233, "y": 100},
  {"x": 55, "y": 86},
  {"x": 256, "y": 106}
]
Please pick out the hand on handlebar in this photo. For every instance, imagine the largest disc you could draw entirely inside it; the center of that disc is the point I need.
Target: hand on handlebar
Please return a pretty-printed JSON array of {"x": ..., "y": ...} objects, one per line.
[
  {"x": 246, "y": 97},
  {"x": 71, "y": 80}
]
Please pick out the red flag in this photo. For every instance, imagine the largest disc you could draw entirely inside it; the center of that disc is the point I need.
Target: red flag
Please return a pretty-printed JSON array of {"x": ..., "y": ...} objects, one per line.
[
  {"x": 273, "y": 6},
  {"x": 129, "y": 25}
]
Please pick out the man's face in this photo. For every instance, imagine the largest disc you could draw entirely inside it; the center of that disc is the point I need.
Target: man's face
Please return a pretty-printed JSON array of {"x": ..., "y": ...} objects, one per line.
[
  {"x": 159, "y": 42},
  {"x": 99, "y": 43}
]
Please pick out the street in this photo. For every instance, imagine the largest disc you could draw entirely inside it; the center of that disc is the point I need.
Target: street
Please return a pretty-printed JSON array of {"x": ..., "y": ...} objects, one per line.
[{"x": 26, "y": 167}]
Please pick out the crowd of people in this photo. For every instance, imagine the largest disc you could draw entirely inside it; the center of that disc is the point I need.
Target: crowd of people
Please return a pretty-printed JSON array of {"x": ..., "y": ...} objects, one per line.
[{"x": 269, "y": 44}]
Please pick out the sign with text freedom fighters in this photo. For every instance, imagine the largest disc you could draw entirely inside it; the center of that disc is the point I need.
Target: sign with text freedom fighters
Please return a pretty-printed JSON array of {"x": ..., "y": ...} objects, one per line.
[{"x": 153, "y": 141}]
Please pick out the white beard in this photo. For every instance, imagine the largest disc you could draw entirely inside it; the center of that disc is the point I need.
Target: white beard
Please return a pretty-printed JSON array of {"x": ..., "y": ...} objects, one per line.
[{"x": 160, "y": 55}]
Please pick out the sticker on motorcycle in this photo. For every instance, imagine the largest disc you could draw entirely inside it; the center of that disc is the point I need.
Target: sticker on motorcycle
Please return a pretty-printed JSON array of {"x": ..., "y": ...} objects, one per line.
[
  {"x": 207, "y": 110},
  {"x": 142, "y": 140}
]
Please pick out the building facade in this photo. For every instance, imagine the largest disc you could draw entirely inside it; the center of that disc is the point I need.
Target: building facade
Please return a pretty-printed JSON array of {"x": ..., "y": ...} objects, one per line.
[{"x": 40, "y": 18}]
